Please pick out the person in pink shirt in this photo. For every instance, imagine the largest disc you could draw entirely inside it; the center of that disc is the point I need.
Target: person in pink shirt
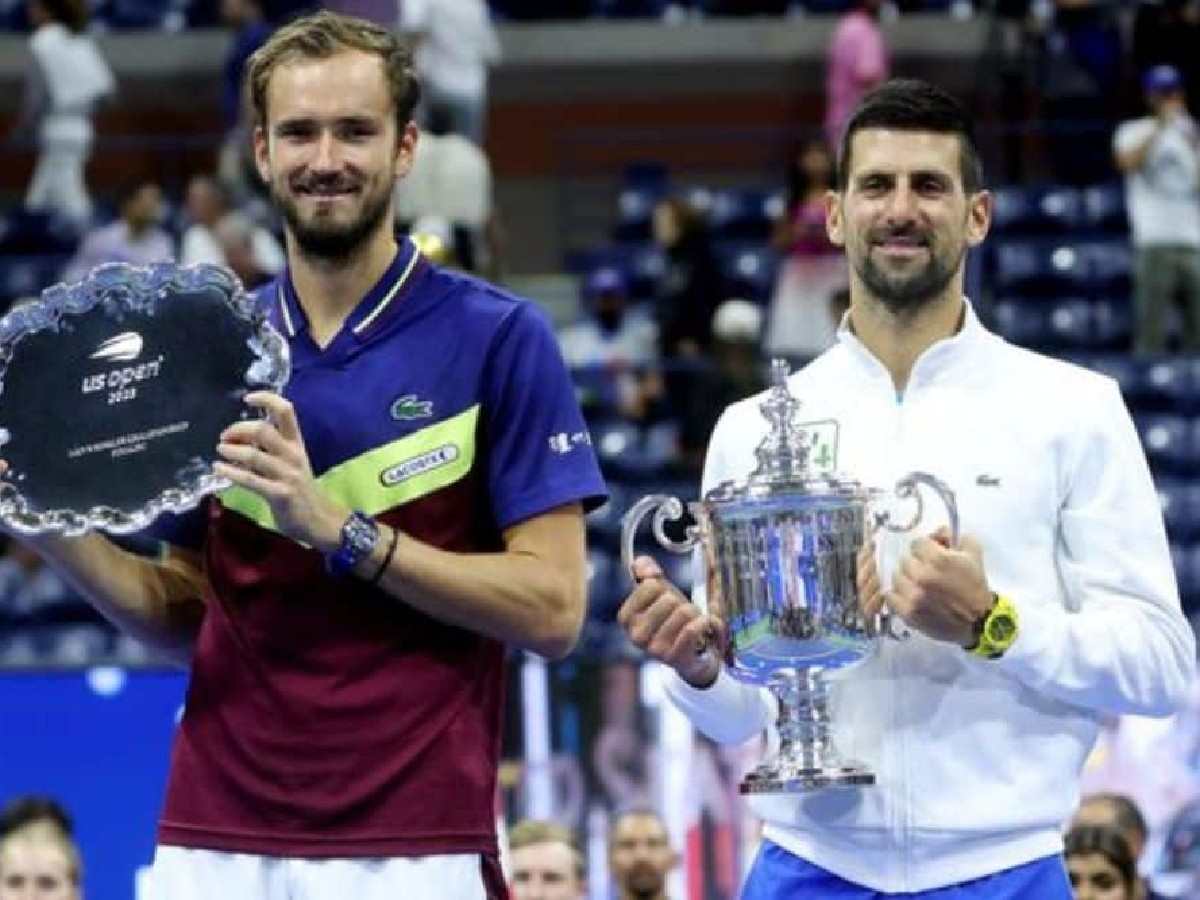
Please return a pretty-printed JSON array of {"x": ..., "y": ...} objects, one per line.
[{"x": 858, "y": 61}]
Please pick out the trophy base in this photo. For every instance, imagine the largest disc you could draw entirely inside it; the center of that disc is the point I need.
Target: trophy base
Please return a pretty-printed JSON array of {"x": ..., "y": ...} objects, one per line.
[{"x": 788, "y": 780}]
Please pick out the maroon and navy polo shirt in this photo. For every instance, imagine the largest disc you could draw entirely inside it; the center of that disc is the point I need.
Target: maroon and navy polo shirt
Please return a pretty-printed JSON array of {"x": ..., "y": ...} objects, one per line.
[{"x": 326, "y": 718}]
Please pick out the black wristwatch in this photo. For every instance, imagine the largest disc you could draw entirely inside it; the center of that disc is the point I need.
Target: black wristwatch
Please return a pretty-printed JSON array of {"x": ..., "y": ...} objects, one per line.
[{"x": 360, "y": 533}]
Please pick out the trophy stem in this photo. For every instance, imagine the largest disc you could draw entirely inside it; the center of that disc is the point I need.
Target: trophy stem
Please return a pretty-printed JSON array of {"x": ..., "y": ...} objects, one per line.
[{"x": 807, "y": 758}]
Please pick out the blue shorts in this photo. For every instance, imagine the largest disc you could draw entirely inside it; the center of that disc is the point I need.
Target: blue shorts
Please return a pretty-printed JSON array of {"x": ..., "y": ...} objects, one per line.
[{"x": 780, "y": 875}]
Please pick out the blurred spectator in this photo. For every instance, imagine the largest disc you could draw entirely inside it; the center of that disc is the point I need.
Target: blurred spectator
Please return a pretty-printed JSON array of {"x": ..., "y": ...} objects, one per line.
[
  {"x": 40, "y": 861},
  {"x": 27, "y": 584},
  {"x": 613, "y": 347},
  {"x": 800, "y": 323},
  {"x": 692, "y": 286},
  {"x": 66, "y": 78},
  {"x": 1118, "y": 812},
  {"x": 206, "y": 203},
  {"x": 455, "y": 44},
  {"x": 451, "y": 180},
  {"x": 736, "y": 373},
  {"x": 1160, "y": 156},
  {"x": 247, "y": 22},
  {"x": 34, "y": 810},
  {"x": 856, "y": 63},
  {"x": 1168, "y": 32},
  {"x": 235, "y": 239},
  {"x": 133, "y": 238},
  {"x": 1100, "y": 864},
  {"x": 640, "y": 856},
  {"x": 546, "y": 862}
]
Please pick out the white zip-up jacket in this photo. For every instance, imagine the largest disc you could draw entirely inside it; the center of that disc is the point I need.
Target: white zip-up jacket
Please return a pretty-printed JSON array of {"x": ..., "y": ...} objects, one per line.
[{"x": 977, "y": 761}]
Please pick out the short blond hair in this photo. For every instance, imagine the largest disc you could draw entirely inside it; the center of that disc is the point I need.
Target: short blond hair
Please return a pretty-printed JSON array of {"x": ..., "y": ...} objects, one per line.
[
  {"x": 531, "y": 832},
  {"x": 325, "y": 34}
]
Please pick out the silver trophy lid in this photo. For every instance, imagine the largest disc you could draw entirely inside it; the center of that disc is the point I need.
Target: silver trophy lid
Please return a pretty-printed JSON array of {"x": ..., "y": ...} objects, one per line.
[{"x": 783, "y": 454}]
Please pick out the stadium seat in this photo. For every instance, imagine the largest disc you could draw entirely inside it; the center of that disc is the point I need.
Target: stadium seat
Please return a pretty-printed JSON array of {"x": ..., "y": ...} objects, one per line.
[
  {"x": 635, "y": 207},
  {"x": 1169, "y": 385},
  {"x": 1022, "y": 321},
  {"x": 1029, "y": 211},
  {"x": 1041, "y": 268},
  {"x": 1168, "y": 441},
  {"x": 1104, "y": 209},
  {"x": 1180, "y": 500},
  {"x": 1108, "y": 265},
  {"x": 1112, "y": 324},
  {"x": 1127, "y": 371},
  {"x": 741, "y": 215},
  {"x": 605, "y": 579},
  {"x": 748, "y": 269},
  {"x": 1070, "y": 324}
]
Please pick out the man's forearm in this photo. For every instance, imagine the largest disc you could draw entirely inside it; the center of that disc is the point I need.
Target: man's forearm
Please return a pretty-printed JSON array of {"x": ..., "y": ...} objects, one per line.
[
  {"x": 533, "y": 595},
  {"x": 159, "y": 602}
]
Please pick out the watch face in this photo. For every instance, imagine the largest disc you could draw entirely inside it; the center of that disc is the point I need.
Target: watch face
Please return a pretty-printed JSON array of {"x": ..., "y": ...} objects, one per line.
[{"x": 1001, "y": 629}]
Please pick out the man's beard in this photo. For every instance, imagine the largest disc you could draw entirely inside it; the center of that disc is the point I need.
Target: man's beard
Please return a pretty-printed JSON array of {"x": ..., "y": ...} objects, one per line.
[
  {"x": 906, "y": 294},
  {"x": 643, "y": 881},
  {"x": 328, "y": 240}
]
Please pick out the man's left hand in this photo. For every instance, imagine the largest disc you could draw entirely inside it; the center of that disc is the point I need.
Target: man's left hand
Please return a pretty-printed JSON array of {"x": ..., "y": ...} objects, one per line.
[
  {"x": 940, "y": 590},
  {"x": 267, "y": 456}
]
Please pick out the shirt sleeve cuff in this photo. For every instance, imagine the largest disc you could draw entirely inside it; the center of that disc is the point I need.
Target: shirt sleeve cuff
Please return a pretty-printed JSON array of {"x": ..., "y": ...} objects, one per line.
[{"x": 728, "y": 711}]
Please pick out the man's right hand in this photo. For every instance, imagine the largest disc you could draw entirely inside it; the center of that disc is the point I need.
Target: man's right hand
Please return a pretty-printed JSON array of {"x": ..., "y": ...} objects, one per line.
[{"x": 670, "y": 628}]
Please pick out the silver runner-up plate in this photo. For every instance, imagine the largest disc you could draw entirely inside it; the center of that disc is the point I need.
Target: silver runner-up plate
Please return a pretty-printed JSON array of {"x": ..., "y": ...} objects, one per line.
[{"x": 115, "y": 389}]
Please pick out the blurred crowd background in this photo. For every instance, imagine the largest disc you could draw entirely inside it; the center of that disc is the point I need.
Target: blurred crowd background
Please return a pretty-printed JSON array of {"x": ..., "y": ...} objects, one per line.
[{"x": 652, "y": 173}]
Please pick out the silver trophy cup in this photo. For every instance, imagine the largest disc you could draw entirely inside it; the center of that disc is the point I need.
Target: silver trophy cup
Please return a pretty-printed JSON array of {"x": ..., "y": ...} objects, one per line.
[{"x": 780, "y": 552}]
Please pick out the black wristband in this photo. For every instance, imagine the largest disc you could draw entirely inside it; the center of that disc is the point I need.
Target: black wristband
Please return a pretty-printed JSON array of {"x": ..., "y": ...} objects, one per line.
[{"x": 387, "y": 559}]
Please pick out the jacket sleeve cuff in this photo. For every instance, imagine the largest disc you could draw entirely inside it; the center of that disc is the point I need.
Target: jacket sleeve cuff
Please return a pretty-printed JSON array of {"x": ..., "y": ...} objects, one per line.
[{"x": 728, "y": 711}]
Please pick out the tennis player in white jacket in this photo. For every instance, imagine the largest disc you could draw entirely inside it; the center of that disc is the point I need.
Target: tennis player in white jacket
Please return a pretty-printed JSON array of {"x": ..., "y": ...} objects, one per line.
[{"x": 976, "y": 733}]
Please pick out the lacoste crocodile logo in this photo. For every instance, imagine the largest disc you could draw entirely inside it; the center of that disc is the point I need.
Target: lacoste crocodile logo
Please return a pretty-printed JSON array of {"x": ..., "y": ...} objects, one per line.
[
  {"x": 409, "y": 407},
  {"x": 120, "y": 348},
  {"x": 987, "y": 481}
]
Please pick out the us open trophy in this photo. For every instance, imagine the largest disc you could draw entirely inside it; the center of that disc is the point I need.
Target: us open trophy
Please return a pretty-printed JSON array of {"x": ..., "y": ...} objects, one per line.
[
  {"x": 780, "y": 551},
  {"x": 114, "y": 390}
]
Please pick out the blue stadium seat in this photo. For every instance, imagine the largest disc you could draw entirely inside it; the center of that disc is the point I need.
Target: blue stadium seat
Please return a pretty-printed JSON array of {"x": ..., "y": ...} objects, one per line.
[
  {"x": 1180, "y": 500},
  {"x": 1022, "y": 321},
  {"x": 604, "y": 523},
  {"x": 635, "y": 207},
  {"x": 1168, "y": 441},
  {"x": 748, "y": 269},
  {"x": 1029, "y": 211},
  {"x": 1104, "y": 209},
  {"x": 1069, "y": 324},
  {"x": 741, "y": 214},
  {"x": 1039, "y": 267},
  {"x": 1169, "y": 385},
  {"x": 1184, "y": 558},
  {"x": 1112, "y": 324},
  {"x": 1109, "y": 266}
]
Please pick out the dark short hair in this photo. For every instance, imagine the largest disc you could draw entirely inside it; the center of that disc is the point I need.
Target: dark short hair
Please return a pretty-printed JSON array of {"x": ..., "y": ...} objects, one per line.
[
  {"x": 1083, "y": 840},
  {"x": 31, "y": 808},
  {"x": 320, "y": 36},
  {"x": 1126, "y": 816},
  {"x": 908, "y": 104}
]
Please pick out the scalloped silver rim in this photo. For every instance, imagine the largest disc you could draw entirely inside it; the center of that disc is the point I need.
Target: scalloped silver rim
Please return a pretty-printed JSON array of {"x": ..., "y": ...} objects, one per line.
[{"x": 137, "y": 288}]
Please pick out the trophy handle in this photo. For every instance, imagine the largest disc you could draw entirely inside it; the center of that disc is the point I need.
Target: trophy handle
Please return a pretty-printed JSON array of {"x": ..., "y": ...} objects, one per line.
[
  {"x": 666, "y": 509},
  {"x": 906, "y": 488}
]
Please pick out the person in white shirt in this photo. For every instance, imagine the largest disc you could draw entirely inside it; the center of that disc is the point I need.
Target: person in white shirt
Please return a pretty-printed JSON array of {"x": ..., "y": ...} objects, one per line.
[
  {"x": 456, "y": 44},
  {"x": 977, "y": 739},
  {"x": 67, "y": 77},
  {"x": 1160, "y": 156}
]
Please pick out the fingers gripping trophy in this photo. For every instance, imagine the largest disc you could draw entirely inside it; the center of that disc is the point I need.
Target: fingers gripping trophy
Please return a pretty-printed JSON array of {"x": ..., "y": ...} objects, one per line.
[{"x": 781, "y": 552}]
